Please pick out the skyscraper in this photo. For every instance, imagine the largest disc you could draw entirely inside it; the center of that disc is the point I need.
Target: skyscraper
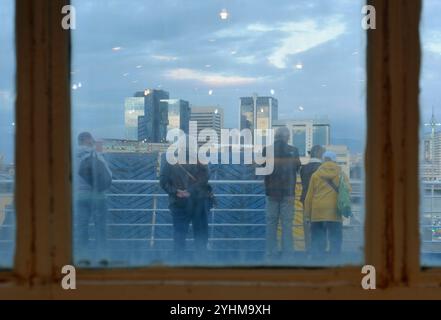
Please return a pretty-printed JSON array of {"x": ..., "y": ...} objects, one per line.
[
  {"x": 146, "y": 117},
  {"x": 321, "y": 133},
  {"x": 258, "y": 113},
  {"x": 208, "y": 118},
  {"x": 134, "y": 108},
  {"x": 179, "y": 114},
  {"x": 307, "y": 133},
  {"x": 247, "y": 113},
  {"x": 430, "y": 155},
  {"x": 430, "y": 162},
  {"x": 153, "y": 127}
]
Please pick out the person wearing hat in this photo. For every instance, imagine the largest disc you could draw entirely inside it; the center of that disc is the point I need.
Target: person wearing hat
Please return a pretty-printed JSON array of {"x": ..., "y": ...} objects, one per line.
[
  {"x": 326, "y": 224},
  {"x": 306, "y": 172},
  {"x": 90, "y": 201}
]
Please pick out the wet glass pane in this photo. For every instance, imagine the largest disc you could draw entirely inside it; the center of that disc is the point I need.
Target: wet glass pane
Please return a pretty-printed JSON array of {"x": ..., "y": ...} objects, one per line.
[
  {"x": 151, "y": 78},
  {"x": 430, "y": 147},
  {"x": 7, "y": 133}
]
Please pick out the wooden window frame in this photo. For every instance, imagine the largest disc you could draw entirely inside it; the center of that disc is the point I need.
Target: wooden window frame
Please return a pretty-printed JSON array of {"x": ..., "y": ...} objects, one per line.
[{"x": 43, "y": 181}]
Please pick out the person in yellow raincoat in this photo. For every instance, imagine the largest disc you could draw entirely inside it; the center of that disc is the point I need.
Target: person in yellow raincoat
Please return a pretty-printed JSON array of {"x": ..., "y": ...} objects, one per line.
[{"x": 326, "y": 225}]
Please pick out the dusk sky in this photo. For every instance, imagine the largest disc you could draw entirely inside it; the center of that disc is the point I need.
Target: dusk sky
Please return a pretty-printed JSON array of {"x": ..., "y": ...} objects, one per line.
[{"x": 309, "y": 54}]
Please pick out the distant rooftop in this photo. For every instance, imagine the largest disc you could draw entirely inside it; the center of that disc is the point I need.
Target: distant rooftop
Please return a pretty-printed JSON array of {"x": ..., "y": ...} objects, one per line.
[{"x": 315, "y": 120}]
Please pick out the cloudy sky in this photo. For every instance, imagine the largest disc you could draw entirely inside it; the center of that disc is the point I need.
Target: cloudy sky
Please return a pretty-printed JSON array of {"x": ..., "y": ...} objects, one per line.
[
  {"x": 431, "y": 75},
  {"x": 309, "y": 54}
]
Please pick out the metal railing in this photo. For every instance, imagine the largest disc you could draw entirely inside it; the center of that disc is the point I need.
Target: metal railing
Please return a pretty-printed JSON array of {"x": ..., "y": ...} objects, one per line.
[
  {"x": 430, "y": 195},
  {"x": 155, "y": 210}
]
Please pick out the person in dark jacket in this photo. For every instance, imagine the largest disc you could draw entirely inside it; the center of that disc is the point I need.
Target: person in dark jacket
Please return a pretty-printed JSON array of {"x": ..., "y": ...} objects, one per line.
[
  {"x": 280, "y": 192},
  {"x": 187, "y": 188},
  {"x": 90, "y": 204},
  {"x": 306, "y": 172}
]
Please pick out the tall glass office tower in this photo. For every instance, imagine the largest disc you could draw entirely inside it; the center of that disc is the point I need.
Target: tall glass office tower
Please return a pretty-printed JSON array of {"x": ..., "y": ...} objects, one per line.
[
  {"x": 258, "y": 112},
  {"x": 307, "y": 133},
  {"x": 146, "y": 117},
  {"x": 134, "y": 108},
  {"x": 179, "y": 114}
]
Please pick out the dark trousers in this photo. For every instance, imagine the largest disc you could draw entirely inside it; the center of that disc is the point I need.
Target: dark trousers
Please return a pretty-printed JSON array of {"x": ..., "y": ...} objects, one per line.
[
  {"x": 93, "y": 209},
  {"x": 195, "y": 212},
  {"x": 326, "y": 233}
]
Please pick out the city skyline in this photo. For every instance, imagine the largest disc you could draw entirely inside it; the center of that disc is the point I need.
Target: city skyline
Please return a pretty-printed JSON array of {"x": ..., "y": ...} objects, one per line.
[
  {"x": 255, "y": 112},
  {"x": 203, "y": 59},
  {"x": 210, "y": 61},
  {"x": 190, "y": 51}
]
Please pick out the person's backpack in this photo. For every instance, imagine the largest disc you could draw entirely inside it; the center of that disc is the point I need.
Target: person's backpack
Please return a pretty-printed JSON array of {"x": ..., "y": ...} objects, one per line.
[
  {"x": 343, "y": 197},
  {"x": 95, "y": 173}
]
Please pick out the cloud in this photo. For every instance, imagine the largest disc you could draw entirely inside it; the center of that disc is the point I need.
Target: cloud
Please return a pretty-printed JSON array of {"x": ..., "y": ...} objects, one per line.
[
  {"x": 6, "y": 96},
  {"x": 3, "y": 94},
  {"x": 209, "y": 78},
  {"x": 259, "y": 27},
  {"x": 165, "y": 58},
  {"x": 433, "y": 42},
  {"x": 192, "y": 33},
  {"x": 247, "y": 59},
  {"x": 293, "y": 37},
  {"x": 303, "y": 36},
  {"x": 434, "y": 47}
]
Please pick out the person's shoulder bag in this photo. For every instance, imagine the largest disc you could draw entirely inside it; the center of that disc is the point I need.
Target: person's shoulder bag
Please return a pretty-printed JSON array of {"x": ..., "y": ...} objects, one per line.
[
  {"x": 343, "y": 196},
  {"x": 210, "y": 194}
]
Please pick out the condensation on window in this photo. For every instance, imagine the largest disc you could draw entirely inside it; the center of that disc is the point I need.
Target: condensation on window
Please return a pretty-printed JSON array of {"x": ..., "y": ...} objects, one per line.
[
  {"x": 7, "y": 134},
  {"x": 430, "y": 137},
  {"x": 257, "y": 86}
]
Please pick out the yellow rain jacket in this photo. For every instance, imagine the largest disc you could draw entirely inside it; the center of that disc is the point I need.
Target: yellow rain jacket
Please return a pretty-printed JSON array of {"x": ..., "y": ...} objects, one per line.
[{"x": 321, "y": 199}]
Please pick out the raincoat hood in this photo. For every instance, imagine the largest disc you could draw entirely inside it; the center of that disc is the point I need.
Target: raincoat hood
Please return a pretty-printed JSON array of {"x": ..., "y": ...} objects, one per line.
[
  {"x": 329, "y": 170},
  {"x": 321, "y": 198}
]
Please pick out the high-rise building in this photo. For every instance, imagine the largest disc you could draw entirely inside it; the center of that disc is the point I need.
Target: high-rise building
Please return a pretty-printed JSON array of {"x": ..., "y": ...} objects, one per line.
[
  {"x": 134, "y": 108},
  {"x": 430, "y": 162},
  {"x": 258, "y": 113},
  {"x": 208, "y": 118},
  {"x": 179, "y": 114},
  {"x": 146, "y": 117},
  {"x": 306, "y": 133},
  {"x": 430, "y": 153},
  {"x": 321, "y": 133},
  {"x": 153, "y": 127}
]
